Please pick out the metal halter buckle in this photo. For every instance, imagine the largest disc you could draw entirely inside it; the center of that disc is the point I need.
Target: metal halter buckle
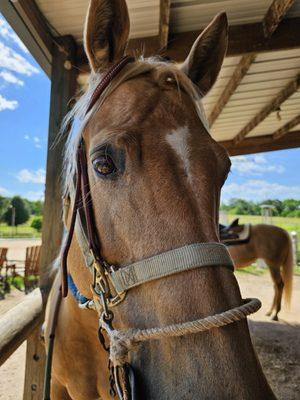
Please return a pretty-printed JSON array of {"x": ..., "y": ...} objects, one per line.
[{"x": 101, "y": 287}]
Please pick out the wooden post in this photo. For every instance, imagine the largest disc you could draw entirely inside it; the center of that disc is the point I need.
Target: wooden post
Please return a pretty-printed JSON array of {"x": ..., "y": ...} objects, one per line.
[
  {"x": 35, "y": 366},
  {"x": 63, "y": 88},
  {"x": 63, "y": 79}
]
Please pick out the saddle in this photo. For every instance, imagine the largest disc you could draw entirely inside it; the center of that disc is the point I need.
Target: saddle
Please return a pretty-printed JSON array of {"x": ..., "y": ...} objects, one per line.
[{"x": 234, "y": 233}]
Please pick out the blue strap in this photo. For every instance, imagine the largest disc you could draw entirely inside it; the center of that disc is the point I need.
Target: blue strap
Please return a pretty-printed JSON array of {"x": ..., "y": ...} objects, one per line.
[{"x": 76, "y": 293}]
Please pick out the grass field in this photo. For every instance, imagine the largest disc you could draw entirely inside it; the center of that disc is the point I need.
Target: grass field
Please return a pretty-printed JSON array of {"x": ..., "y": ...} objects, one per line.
[
  {"x": 25, "y": 230},
  {"x": 22, "y": 231}
]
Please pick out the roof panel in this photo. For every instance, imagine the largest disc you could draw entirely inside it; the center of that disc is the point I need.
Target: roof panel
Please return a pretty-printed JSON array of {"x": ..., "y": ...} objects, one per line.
[
  {"x": 191, "y": 15},
  {"x": 266, "y": 77},
  {"x": 67, "y": 16}
]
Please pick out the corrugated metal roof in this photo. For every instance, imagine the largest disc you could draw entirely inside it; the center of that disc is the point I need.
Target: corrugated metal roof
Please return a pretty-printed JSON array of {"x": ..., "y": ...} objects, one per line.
[
  {"x": 267, "y": 76},
  {"x": 192, "y": 15},
  {"x": 67, "y": 16}
]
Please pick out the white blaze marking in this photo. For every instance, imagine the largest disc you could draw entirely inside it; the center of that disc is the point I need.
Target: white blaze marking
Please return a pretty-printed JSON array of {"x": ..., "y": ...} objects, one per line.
[{"x": 178, "y": 140}]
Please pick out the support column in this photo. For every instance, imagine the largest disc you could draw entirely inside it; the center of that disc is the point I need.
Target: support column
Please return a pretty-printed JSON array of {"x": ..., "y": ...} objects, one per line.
[{"x": 63, "y": 87}]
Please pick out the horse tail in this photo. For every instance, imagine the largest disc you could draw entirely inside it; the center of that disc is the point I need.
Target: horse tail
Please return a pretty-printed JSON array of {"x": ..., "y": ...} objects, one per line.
[{"x": 287, "y": 272}]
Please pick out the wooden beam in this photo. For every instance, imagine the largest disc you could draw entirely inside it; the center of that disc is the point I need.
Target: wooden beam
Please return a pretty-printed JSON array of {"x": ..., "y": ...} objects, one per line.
[
  {"x": 63, "y": 88},
  {"x": 18, "y": 323},
  {"x": 36, "y": 23},
  {"x": 286, "y": 128},
  {"x": 284, "y": 94},
  {"x": 247, "y": 38},
  {"x": 237, "y": 76},
  {"x": 284, "y": 38},
  {"x": 275, "y": 14},
  {"x": 30, "y": 40},
  {"x": 164, "y": 23},
  {"x": 262, "y": 144}
]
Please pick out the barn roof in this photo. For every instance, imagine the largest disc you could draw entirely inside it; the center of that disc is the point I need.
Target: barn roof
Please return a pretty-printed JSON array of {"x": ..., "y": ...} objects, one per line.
[{"x": 254, "y": 105}]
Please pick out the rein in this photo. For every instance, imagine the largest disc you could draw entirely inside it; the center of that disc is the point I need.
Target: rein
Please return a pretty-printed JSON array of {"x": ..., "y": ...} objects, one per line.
[{"x": 111, "y": 283}]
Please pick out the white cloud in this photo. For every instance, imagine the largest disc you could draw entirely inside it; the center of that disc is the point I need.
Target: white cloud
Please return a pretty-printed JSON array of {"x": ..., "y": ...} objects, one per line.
[
  {"x": 7, "y": 104},
  {"x": 27, "y": 176},
  {"x": 35, "y": 139},
  {"x": 33, "y": 196},
  {"x": 259, "y": 190},
  {"x": 8, "y": 34},
  {"x": 10, "y": 78},
  {"x": 37, "y": 142},
  {"x": 11, "y": 60},
  {"x": 4, "y": 192},
  {"x": 254, "y": 165}
]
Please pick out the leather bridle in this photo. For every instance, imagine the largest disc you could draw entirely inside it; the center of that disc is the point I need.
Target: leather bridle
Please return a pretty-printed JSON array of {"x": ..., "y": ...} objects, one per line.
[{"x": 111, "y": 283}]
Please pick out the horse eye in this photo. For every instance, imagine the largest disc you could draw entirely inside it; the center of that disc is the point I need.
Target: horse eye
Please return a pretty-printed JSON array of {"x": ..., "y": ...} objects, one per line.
[{"x": 104, "y": 165}]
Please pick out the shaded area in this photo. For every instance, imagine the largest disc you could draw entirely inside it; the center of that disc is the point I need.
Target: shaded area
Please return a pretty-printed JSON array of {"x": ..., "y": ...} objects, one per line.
[{"x": 278, "y": 348}]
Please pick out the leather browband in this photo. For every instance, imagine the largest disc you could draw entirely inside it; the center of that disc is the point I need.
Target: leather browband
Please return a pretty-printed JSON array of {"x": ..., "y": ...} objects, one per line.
[{"x": 110, "y": 75}]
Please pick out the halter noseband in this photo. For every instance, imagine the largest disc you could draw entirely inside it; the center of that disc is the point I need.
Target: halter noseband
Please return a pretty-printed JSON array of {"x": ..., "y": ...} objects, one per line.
[{"x": 110, "y": 283}]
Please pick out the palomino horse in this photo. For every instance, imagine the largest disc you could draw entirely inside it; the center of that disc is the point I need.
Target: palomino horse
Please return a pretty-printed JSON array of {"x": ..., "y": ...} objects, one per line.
[
  {"x": 155, "y": 176},
  {"x": 273, "y": 245}
]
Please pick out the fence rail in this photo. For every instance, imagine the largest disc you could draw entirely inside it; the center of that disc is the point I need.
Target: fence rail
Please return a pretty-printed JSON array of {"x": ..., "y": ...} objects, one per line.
[{"x": 19, "y": 322}]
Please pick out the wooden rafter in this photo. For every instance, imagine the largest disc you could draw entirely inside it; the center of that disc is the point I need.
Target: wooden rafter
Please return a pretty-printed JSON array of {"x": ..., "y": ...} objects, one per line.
[
  {"x": 35, "y": 20},
  {"x": 285, "y": 93},
  {"x": 262, "y": 144},
  {"x": 238, "y": 74},
  {"x": 270, "y": 23},
  {"x": 179, "y": 45},
  {"x": 164, "y": 23},
  {"x": 275, "y": 14},
  {"x": 286, "y": 128}
]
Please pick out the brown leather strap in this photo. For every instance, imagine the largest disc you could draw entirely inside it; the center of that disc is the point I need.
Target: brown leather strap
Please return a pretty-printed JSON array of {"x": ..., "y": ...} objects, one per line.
[
  {"x": 83, "y": 192},
  {"x": 92, "y": 236},
  {"x": 107, "y": 79}
]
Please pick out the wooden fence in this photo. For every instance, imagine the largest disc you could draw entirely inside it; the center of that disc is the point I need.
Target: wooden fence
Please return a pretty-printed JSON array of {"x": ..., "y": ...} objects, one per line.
[{"x": 22, "y": 323}]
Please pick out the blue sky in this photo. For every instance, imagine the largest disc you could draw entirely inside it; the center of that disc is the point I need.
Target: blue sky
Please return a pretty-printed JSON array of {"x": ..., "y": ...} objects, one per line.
[{"x": 24, "y": 114}]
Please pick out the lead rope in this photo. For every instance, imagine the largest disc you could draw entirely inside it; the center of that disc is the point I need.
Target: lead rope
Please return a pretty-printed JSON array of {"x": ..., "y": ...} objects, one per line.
[{"x": 121, "y": 342}]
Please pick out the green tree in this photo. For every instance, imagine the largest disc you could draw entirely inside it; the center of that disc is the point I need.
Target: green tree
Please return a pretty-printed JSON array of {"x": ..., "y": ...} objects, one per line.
[
  {"x": 37, "y": 223},
  {"x": 18, "y": 208},
  {"x": 4, "y": 204},
  {"x": 37, "y": 207},
  {"x": 290, "y": 207}
]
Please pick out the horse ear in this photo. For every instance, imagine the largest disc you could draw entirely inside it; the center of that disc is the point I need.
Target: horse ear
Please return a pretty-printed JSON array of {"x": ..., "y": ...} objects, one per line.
[
  {"x": 106, "y": 32},
  {"x": 204, "y": 62}
]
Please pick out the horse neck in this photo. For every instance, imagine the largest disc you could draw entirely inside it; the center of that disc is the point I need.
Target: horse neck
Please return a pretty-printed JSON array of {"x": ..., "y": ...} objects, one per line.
[{"x": 217, "y": 364}]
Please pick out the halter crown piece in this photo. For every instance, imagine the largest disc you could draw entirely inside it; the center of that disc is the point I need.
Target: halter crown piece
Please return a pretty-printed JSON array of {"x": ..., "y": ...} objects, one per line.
[{"x": 111, "y": 283}]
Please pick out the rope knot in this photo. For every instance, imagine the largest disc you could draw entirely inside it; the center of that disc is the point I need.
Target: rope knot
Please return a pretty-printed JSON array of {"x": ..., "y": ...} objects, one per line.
[{"x": 121, "y": 342}]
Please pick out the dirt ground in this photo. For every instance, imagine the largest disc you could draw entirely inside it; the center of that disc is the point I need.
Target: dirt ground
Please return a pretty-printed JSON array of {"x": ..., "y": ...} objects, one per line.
[{"x": 277, "y": 343}]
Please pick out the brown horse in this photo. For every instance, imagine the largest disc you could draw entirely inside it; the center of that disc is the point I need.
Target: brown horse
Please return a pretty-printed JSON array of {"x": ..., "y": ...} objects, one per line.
[
  {"x": 155, "y": 176},
  {"x": 273, "y": 245}
]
